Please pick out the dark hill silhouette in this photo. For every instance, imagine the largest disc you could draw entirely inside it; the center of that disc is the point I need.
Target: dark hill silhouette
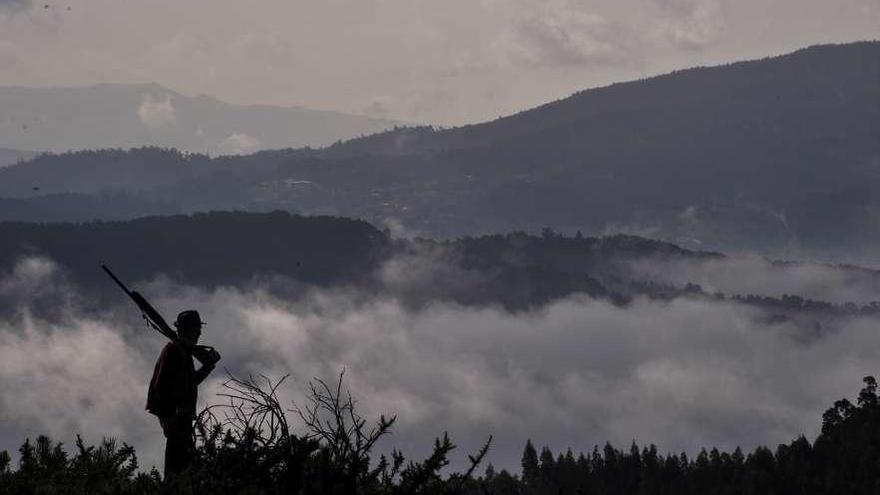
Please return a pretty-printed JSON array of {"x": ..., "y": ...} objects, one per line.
[
  {"x": 286, "y": 253},
  {"x": 779, "y": 149},
  {"x": 86, "y": 172},
  {"x": 779, "y": 154},
  {"x": 232, "y": 248},
  {"x": 205, "y": 249},
  {"x": 702, "y": 99}
]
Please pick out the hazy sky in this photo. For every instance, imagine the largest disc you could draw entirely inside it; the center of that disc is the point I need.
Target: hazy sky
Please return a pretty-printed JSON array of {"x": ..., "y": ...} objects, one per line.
[{"x": 448, "y": 62}]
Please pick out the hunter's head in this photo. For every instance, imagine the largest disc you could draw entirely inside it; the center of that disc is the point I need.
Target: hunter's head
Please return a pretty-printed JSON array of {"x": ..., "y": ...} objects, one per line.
[{"x": 189, "y": 326}]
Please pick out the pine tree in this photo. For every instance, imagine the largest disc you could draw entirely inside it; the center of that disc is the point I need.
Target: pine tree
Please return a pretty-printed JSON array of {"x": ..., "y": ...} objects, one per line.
[{"x": 531, "y": 473}]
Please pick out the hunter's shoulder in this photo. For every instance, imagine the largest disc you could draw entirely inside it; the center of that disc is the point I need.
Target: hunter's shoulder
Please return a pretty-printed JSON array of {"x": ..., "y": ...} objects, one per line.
[{"x": 172, "y": 350}]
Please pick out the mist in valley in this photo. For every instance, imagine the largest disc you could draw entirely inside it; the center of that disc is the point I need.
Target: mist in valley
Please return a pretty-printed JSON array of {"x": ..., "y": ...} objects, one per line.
[{"x": 683, "y": 374}]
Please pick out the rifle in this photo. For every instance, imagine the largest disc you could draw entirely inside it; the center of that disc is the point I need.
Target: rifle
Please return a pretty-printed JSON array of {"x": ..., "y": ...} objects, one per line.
[{"x": 204, "y": 353}]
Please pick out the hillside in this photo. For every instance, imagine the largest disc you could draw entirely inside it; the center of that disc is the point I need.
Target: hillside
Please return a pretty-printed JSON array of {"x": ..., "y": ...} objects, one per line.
[
  {"x": 778, "y": 155},
  {"x": 10, "y": 156},
  {"x": 284, "y": 253},
  {"x": 775, "y": 152},
  {"x": 829, "y": 77}
]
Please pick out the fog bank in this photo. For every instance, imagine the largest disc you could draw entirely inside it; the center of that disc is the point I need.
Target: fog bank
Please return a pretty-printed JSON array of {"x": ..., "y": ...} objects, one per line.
[{"x": 682, "y": 374}]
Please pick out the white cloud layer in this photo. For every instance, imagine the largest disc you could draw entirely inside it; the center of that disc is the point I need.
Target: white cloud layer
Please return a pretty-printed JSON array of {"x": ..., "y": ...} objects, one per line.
[
  {"x": 239, "y": 143},
  {"x": 693, "y": 24},
  {"x": 564, "y": 34},
  {"x": 752, "y": 274},
  {"x": 681, "y": 374},
  {"x": 156, "y": 113}
]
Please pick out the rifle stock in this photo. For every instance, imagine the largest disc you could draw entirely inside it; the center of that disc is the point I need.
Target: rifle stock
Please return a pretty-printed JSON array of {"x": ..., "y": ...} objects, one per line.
[{"x": 152, "y": 316}]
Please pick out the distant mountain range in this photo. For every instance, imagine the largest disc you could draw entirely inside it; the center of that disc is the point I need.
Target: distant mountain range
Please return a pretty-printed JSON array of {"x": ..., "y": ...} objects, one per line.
[
  {"x": 780, "y": 155},
  {"x": 133, "y": 115}
]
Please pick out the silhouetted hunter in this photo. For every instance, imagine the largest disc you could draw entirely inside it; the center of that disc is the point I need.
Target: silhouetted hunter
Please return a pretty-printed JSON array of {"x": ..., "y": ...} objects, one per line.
[
  {"x": 174, "y": 390},
  {"x": 174, "y": 387}
]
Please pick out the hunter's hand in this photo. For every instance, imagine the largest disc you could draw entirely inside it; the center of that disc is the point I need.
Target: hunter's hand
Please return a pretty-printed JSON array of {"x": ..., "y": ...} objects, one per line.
[{"x": 213, "y": 357}]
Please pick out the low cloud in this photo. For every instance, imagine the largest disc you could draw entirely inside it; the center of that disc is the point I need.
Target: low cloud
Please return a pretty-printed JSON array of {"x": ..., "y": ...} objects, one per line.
[
  {"x": 65, "y": 373},
  {"x": 693, "y": 24},
  {"x": 752, "y": 274},
  {"x": 78, "y": 376},
  {"x": 562, "y": 34},
  {"x": 682, "y": 374},
  {"x": 427, "y": 274},
  {"x": 238, "y": 144},
  {"x": 156, "y": 113}
]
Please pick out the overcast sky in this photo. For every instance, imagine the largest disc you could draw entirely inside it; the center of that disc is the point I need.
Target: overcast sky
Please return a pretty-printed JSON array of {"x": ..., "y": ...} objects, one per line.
[{"x": 446, "y": 62}]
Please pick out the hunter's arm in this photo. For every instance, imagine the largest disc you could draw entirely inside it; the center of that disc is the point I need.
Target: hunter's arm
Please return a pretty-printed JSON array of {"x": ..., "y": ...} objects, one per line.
[{"x": 203, "y": 373}]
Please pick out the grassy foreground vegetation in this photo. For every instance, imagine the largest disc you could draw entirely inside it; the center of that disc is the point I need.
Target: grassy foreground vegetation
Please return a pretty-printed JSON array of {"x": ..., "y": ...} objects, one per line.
[{"x": 246, "y": 446}]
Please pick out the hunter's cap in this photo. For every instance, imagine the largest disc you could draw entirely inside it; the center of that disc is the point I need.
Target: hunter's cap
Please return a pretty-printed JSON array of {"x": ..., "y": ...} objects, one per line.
[{"x": 189, "y": 317}]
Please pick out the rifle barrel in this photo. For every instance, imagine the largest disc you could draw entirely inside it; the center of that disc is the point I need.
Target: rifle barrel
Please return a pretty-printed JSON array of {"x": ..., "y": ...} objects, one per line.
[{"x": 115, "y": 279}]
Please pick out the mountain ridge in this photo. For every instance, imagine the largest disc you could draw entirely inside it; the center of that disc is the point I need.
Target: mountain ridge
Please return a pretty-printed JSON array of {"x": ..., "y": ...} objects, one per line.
[
  {"x": 778, "y": 155},
  {"x": 602, "y": 91}
]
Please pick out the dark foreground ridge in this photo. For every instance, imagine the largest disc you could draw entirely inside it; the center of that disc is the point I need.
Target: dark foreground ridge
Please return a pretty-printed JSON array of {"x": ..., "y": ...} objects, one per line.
[{"x": 336, "y": 457}]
